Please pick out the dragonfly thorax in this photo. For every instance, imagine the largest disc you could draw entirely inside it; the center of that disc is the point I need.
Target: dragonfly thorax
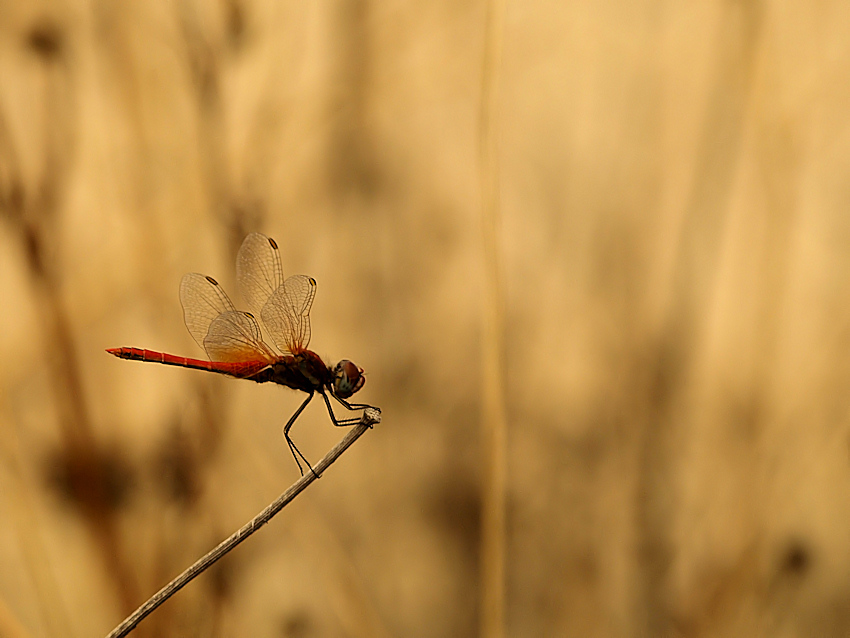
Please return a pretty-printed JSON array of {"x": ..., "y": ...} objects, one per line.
[
  {"x": 306, "y": 371},
  {"x": 302, "y": 371}
]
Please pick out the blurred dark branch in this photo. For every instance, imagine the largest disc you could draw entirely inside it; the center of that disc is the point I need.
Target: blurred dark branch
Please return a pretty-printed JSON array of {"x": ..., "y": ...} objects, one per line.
[
  {"x": 206, "y": 59},
  {"x": 370, "y": 417},
  {"x": 11, "y": 181},
  {"x": 352, "y": 165},
  {"x": 32, "y": 211}
]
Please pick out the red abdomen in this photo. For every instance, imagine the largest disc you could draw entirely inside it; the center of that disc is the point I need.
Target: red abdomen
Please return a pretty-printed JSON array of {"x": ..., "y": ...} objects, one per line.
[{"x": 239, "y": 369}]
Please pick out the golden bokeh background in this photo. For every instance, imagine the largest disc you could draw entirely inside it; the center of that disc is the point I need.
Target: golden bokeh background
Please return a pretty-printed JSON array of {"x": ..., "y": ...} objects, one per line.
[{"x": 669, "y": 185}]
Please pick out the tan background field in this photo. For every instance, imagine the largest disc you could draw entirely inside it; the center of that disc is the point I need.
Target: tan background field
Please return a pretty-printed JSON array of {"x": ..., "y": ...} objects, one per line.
[{"x": 665, "y": 304}]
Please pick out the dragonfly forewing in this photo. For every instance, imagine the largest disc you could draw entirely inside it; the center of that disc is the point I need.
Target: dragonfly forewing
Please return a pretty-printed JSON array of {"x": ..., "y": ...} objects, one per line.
[{"x": 203, "y": 299}]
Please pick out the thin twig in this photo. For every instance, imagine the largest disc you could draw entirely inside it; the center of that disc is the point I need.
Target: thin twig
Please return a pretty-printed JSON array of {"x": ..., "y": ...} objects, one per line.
[{"x": 371, "y": 416}]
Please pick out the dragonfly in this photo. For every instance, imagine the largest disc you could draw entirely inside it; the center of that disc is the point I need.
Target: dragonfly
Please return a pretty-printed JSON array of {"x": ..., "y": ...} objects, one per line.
[{"x": 234, "y": 341}]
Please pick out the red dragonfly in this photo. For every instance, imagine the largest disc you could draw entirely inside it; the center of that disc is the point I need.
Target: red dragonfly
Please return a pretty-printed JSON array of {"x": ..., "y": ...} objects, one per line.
[{"x": 233, "y": 341}]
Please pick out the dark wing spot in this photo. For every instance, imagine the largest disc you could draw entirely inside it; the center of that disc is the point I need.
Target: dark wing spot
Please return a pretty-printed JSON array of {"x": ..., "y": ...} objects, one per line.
[
  {"x": 272, "y": 242},
  {"x": 211, "y": 280}
]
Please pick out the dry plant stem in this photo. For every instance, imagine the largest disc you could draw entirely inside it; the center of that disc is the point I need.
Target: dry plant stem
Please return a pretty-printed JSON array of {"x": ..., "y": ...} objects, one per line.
[
  {"x": 493, "y": 411},
  {"x": 370, "y": 417},
  {"x": 695, "y": 275}
]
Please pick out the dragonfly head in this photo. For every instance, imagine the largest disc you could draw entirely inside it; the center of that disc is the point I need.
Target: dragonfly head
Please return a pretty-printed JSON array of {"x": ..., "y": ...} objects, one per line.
[{"x": 348, "y": 378}]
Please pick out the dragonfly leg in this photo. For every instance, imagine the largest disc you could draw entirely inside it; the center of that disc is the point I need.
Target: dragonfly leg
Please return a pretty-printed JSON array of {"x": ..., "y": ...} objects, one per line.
[
  {"x": 354, "y": 406},
  {"x": 340, "y": 423},
  {"x": 349, "y": 406},
  {"x": 292, "y": 448}
]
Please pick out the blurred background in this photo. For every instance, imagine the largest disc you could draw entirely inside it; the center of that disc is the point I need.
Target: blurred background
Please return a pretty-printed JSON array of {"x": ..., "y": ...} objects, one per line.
[{"x": 615, "y": 232}]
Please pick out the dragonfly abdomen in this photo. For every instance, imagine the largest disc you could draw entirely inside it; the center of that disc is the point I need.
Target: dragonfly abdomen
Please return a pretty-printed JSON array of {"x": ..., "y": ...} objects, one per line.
[{"x": 239, "y": 369}]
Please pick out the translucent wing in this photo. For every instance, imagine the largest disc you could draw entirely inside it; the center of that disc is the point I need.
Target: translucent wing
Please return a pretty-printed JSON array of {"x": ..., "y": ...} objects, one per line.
[
  {"x": 235, "y": 336},
  {"x": 203, "y": 300},
  {"x": 223, "y": 332},
  {"x": 286, "y": 315},
  {"x": 258, "y": 271}
]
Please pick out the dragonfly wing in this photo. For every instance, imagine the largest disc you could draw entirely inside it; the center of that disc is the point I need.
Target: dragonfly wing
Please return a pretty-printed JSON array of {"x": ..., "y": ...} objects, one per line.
[
  {"x": 235, "y": 336},
  {"x": 203, "y": 300},
  {"x": 287, "y": 313},
  {"x": 258, "y": 271}
]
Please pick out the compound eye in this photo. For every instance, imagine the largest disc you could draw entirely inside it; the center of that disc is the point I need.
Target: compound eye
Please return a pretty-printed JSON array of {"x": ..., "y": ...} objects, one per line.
[{"x": 348, "y": 378}]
